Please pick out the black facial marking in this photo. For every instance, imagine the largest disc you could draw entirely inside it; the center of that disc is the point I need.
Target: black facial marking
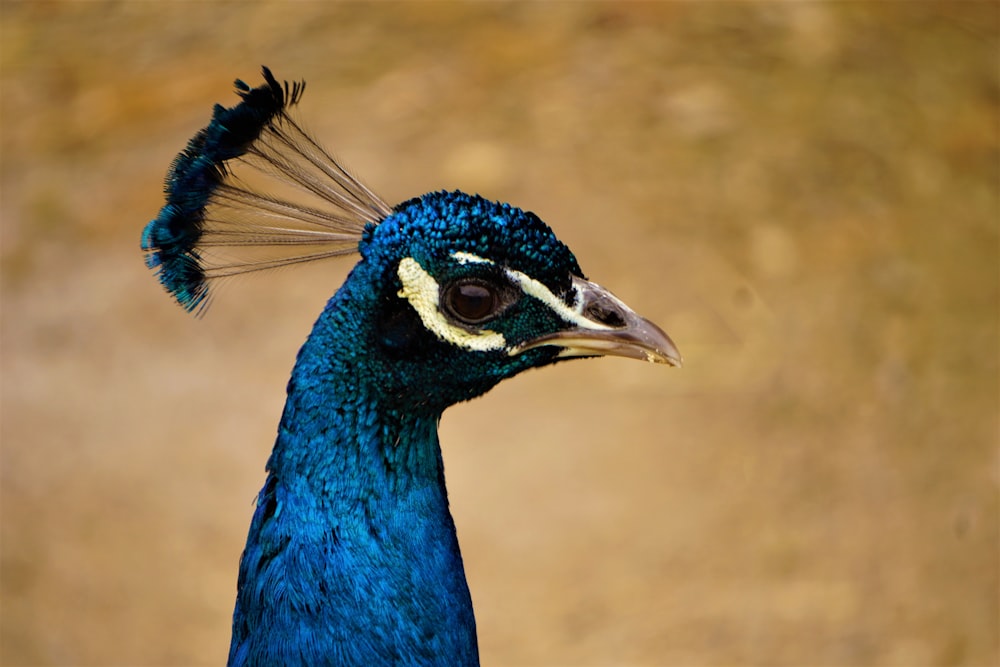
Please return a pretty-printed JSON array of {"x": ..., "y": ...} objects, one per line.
[
  {"x": 605, "y": 311},
  {"x": 400, "y": 330}
]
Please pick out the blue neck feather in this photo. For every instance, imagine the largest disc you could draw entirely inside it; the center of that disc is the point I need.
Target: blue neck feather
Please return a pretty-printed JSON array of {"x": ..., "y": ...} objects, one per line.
[{"x": 352, "y": 556}]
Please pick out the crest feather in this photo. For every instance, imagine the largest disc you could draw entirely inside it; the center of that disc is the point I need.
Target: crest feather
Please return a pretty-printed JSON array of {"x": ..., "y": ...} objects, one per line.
[{"x": 226, "y": 212}]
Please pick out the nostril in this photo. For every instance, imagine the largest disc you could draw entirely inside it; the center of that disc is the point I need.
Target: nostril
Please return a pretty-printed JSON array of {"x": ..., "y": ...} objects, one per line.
[{"x": 605, "y": 312}]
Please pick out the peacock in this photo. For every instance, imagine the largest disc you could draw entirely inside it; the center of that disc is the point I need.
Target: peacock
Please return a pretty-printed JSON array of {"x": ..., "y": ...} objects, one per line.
[{"x": 352, "y": 556}]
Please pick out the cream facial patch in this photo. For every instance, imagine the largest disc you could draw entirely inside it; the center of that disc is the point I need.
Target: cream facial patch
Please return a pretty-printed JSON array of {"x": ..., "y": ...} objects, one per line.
[{"x": 423, "y": 293}]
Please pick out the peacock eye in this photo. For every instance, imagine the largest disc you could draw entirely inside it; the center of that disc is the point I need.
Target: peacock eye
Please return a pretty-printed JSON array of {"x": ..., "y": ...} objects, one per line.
[{"x": 471, "y": 301}]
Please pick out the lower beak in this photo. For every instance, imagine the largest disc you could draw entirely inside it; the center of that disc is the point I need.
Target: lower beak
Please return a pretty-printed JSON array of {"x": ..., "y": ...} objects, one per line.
[{"x": 607, "y": 327}]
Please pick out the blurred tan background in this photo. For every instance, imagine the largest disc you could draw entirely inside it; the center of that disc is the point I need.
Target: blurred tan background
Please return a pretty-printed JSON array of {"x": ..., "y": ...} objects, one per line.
[{"x": 805, "y": 195}]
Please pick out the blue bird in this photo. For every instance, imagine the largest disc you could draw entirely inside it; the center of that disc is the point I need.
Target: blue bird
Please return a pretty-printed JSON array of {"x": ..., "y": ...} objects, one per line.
[{"x": 352, "y": 557}]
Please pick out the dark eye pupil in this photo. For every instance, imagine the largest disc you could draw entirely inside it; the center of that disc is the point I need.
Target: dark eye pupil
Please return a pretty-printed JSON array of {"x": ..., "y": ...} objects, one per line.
[{"x": 472, "y": 302}]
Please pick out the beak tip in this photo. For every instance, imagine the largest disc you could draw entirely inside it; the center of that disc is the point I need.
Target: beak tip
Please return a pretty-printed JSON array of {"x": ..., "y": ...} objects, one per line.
[
  {"x": 672, "y": 359},
  {"x": 665, "y": 351}
]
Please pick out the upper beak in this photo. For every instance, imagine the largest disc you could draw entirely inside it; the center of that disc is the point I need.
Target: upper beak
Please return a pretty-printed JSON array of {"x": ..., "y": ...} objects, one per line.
[{"x": 605, "y": 326}]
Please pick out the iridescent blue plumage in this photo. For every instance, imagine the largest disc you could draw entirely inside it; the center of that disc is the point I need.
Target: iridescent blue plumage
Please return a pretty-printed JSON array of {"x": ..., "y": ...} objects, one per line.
[
  {"x": 351, "y": 556},
  {"x": 354, "y": 520}
]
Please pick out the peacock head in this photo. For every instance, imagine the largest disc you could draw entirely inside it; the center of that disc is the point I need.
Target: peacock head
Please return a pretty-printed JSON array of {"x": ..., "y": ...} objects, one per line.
[
  {"x": 453, "y": 293},
  {"x": 468, "y": 292}
]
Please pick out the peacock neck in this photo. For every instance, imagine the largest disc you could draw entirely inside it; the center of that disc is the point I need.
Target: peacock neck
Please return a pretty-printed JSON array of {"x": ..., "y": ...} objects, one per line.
[
  {"x": 344, "y": 433},
  {"x": 352, "y": 556},
  {"x": 338, "y": 440}
]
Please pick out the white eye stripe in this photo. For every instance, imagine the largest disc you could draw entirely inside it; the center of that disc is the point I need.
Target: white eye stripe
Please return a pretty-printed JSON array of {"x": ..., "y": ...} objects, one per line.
[
  {"x": 423, "y": 293},
  {"x": 469, "y": 258},
  {"x": 575, "y": 315},
  {"x": 532, "y": 287}
]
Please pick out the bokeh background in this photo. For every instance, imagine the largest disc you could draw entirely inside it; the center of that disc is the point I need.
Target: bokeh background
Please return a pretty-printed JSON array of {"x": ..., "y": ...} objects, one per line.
[{"x": 804, "y": 194}]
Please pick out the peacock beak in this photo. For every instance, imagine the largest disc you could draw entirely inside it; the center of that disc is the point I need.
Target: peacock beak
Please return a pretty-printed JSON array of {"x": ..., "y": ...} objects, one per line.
[{"x": 605, "y": 326}]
